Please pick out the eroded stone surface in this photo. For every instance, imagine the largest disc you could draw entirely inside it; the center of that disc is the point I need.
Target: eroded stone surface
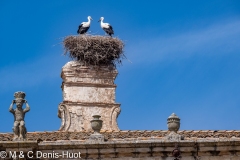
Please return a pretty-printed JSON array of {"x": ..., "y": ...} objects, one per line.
[
  {"x": 154, "y": 149},
  {"x": 201, "y": 136},
  {"x": 19, "y": 128},
  {"x": 88, "y": 91}
]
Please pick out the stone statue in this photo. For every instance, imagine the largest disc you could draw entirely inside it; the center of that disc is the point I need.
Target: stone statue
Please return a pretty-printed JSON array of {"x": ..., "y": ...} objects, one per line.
[{"x": 19, "y": 128}]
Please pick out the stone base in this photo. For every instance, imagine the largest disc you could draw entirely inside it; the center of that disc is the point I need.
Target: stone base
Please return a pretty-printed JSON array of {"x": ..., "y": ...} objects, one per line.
[
  {"x": 96, "y": 137},
  {"x": 88, "y": 91},
  {"x": 129, "y": 149},
  {"x": 173, "y": 136},
  {"x": 77, "y": 117}
]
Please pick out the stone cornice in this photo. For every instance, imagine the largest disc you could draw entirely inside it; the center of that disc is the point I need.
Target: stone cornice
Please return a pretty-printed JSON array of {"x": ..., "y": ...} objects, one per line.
[
  {"x": 127, "y": 135},
  {"x": 80, "y": 84},
  {"x": 91, "y": 104}
]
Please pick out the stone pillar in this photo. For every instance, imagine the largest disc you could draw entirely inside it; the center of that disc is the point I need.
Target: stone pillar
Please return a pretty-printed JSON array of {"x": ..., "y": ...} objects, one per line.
[{"x": 88, "y": 91}]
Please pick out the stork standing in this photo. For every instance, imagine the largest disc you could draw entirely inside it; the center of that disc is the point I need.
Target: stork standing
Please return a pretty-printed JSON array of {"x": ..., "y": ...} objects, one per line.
[
  {"x": 106, "y": 27},
  {"x": 84, "y": 26}
]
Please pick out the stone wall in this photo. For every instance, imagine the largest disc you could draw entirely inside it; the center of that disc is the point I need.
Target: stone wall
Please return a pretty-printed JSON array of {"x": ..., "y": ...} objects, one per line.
[{"x": 151, "y": 149}]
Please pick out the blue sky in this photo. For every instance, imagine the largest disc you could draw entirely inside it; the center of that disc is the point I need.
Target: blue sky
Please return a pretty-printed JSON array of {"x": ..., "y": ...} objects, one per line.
[{"x": 185, "y": 59}]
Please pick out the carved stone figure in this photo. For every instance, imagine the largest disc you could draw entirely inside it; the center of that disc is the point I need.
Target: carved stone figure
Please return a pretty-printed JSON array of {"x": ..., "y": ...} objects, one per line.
[{"x": 19, "y": 128}]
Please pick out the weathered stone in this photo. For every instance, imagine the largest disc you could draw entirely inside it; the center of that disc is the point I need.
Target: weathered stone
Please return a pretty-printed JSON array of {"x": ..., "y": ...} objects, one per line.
[
  {"x": 19, "y": 128},
  {"x": 125, "y": 150},
  {"x": 172, "y": 136},
  {"x": 173, "y": 123},
  {"x": 96, "y": 124},
  {"x": 96, "y": 138},
  {"x": 88, "y": 91}
]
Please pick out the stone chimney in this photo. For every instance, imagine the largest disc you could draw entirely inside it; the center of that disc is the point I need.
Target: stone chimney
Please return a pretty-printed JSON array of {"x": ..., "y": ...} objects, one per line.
[{"x": 88, "y": 91}]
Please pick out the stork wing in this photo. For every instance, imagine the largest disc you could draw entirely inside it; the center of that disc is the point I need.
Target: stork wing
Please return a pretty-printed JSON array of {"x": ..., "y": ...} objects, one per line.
[
  {"x": 111, "y": 29},
  {"x": 79, "y": 28}
]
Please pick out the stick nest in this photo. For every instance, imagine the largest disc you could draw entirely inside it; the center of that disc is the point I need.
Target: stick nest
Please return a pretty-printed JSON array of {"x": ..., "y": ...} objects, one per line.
[{"x": 94, "y": 50}]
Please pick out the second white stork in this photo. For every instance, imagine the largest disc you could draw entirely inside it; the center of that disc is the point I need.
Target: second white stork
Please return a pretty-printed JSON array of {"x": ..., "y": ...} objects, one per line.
[
  {"x": 84, "y": 26},
  {"x": 106, "y": 27}
]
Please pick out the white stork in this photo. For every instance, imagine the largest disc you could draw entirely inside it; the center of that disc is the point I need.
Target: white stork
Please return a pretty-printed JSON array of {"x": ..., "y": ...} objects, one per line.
[
  {"x": 84, "y": 26},
  {"x": 106, "y": 27}
]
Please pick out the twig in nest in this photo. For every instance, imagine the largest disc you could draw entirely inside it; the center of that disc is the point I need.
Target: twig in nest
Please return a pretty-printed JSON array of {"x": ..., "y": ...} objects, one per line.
[{"x": 94, "y": 50}]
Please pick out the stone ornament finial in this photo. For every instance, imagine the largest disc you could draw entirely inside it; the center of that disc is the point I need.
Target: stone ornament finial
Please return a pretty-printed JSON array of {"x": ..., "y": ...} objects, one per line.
[
  {"x": 173, "y": 123},
  {"x": 19, "y": 128},
  {"x": 96, "y": 125}
]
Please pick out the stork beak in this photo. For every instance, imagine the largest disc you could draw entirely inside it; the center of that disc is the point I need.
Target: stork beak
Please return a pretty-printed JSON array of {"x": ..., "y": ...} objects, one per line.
[
  {"x": 99, "y": 20},
  {"x": 91, "y": 19}
]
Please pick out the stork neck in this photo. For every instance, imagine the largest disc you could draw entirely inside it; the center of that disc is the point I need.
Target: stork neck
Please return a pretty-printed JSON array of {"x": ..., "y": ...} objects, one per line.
[
  {"x": 101, "y": 21},
  {"x": 89, "y": 20}
]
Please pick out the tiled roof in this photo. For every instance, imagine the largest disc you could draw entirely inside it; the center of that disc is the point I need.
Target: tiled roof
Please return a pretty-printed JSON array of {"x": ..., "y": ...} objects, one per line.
[{"x": 127, "y": 134}]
